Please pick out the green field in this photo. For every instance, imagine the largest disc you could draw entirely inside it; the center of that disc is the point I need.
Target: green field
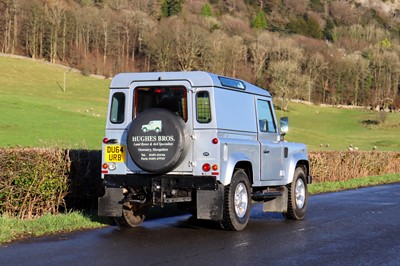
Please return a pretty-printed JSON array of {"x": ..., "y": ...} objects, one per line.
[
  {"x": 323, "y": 128},
  {"x": 35, "y": 111}
]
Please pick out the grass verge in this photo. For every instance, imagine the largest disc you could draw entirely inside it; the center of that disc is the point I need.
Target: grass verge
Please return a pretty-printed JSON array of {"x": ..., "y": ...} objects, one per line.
[
  {"x": 325, "y": 187},
  {"x": 12, "y": 229}
]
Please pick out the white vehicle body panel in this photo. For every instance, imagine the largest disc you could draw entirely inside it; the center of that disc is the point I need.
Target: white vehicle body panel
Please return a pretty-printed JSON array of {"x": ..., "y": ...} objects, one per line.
[{"x": 234, "y": 123}]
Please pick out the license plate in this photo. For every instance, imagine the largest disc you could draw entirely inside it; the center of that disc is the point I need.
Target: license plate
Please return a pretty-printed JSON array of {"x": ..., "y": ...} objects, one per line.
[{"x": 115, "y": 153}]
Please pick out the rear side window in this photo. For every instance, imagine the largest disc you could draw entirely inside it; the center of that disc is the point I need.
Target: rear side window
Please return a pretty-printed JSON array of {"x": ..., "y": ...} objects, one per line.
[
  {"x": 171, "y": 98},
  {"x": 117, "y": 114},
  {"x": 203, "y": 110}
]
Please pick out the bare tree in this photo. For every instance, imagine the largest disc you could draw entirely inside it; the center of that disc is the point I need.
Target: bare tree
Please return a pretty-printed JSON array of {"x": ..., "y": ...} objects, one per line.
[
  {"x": 159, "y": 45},
  {"x": 33, "y": 26},
  {"x": 260, "y": 49},
  {"x": 343, "y": 12},
  {"x": 106, "y": 26},
  {"x": 55, "y": 11},
  {"x": 287, "y": 80},
  {"x": 189, "y": 47},
  {"x": 314, "y": 66},
  {"x": 285, "y": 71},
  {"x": 11, "y": 26}
]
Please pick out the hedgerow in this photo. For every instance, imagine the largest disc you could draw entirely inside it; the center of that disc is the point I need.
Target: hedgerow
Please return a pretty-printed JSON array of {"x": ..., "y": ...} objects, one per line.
[
  {"x": 32, "y": 181},
  {"x": 329, "y": 166},
  {"x": 38, "y": 181}
]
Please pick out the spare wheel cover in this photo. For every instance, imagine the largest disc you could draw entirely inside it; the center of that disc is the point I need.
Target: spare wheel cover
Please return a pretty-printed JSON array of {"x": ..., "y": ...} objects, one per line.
[{"x": 157, "y": 140}]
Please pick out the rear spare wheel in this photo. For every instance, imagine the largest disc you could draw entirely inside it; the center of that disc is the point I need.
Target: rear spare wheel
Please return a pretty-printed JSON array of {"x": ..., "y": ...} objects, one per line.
[{"x": 157, "y": 140}]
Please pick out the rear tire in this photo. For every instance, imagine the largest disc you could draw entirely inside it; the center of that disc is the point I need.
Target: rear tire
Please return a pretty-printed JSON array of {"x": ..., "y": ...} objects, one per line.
[
  {"x": 133, "y": 214},
  {"x": 237, "y": 202},
  {"x": 297, "y": 196}
]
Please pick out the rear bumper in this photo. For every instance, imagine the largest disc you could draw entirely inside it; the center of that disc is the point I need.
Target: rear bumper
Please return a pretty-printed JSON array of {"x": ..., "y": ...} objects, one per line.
[
  {"x": 165, "y": 182},
  {"x": 156, "y": 190}
]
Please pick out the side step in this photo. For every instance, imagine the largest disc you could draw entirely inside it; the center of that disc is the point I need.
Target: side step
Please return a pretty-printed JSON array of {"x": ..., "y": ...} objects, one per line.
[{"x": 265, "y": 196}]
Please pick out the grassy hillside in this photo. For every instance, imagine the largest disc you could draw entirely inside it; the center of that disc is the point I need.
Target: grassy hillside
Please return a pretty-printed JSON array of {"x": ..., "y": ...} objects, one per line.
[
  {"x": 36, "y": 112},
  {"x": 323, "y": 128}
]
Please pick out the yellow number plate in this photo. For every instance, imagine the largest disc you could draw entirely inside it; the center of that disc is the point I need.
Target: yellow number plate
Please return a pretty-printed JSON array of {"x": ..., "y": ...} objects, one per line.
[{"x": 115, "y": 153}]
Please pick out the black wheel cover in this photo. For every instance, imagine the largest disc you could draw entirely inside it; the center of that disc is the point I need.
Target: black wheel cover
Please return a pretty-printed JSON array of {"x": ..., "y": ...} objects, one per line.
[{"x": 157, "y": 140}]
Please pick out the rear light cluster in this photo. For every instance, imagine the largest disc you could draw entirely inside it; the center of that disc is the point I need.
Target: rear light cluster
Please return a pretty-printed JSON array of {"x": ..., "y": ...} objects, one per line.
[
  {"x": 207, "y": 168},
  {"x": 214, "y": 168},
  {"x": 108, "y": 166},
  {"x": 105, "y": 167}
]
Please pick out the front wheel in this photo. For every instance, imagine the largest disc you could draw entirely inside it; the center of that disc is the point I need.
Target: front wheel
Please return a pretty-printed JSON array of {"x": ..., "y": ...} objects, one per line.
[
  {"x": 237, "y": 202},
  {"x": 133, "y": 214},
  {"x": 297, "y": 196}
]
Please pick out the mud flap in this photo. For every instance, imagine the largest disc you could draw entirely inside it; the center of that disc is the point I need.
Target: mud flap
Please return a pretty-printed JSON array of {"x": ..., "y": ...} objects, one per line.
[
  {"x": 110, "y": 204},
  {"x": 210, "y": 204},
  {"x": 279, "y": 204}
]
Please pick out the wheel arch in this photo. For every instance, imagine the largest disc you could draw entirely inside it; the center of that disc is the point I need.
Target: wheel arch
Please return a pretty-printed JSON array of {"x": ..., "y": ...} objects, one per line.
[
  {"x": 247, "y": 167},
  {"x": 298, "y": 160},
  {"x": 237, "y": 161}
]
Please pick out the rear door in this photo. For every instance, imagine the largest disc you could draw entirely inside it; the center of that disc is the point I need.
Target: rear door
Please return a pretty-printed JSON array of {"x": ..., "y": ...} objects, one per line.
[
  {"x": 175, "y": 96},
  {"x": 268, "y": 136}
]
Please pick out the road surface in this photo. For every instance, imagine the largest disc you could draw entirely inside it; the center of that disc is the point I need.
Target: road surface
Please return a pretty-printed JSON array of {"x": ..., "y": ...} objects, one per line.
[{"x": 356, "y": 227}]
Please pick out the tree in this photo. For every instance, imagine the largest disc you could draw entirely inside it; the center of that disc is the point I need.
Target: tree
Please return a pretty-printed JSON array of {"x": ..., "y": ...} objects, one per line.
[
  {"x": 34, "y": 25},
  {"x": 11, "y": 26},
  {"x": 286, "y": 80},
  {"x": 328, "y": 30},
  {"x": 285, "y": 71},
  {"x": 171, "y": 7},
  {"x": 260, "y": 21},
  {"x": 314, "y": 66},
  {"x": 190, "y": 46},
  {"x": 54, "y": 11},
  {"x": 259, "y": 49},
  {"x": 313, "y": 28},
  {"x": 226, "y": 55},
  {"x": 106, "y": 25},
  {"x": 307, "y": 26},
  {"x": 206, "y": 10},
  {"x": 159, "y": 45},
  {"x": 317, "y": 5}
]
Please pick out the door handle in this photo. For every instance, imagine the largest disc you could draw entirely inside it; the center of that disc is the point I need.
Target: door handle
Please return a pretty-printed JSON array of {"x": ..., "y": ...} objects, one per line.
[{"x": 266, "y": 151}]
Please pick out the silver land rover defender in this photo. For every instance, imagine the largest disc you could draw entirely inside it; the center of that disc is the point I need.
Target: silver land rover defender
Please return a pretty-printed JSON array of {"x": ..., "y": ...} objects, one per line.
[{"x": 207, "y": 141}]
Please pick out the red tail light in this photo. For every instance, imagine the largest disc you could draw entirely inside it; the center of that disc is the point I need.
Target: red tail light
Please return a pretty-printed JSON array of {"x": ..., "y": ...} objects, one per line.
[{"x": 206, "y": 167}]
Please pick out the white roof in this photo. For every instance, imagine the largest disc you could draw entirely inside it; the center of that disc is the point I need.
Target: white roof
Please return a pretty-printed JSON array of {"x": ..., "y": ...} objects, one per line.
[{"x": 195, "y": 78}]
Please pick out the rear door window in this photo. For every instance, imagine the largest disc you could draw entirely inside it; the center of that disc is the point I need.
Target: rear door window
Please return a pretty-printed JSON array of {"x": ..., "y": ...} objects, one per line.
[{"x": 171, "y": 98}]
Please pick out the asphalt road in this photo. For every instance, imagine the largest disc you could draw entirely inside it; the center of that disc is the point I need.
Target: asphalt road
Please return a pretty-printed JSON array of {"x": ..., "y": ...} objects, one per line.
[{"x": 357, "y": 227}]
